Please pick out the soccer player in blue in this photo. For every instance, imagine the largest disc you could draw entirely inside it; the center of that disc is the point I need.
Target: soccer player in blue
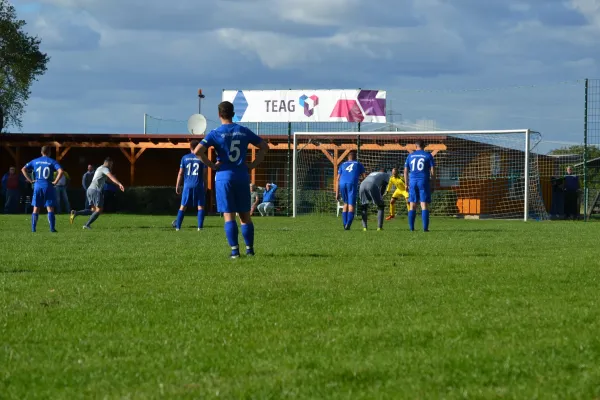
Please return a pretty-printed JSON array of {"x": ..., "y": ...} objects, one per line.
[
  {"x": 348, "y": 174},
  {"x": 193, "y": 173},
  {"x": 44, "y": 194},
  {"x": 230, "y": 142},
  {"x": 418, "y": 174}
]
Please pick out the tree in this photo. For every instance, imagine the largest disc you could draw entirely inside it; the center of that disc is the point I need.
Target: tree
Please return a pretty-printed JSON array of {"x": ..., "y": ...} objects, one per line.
[{"x": 21, "y": 63}]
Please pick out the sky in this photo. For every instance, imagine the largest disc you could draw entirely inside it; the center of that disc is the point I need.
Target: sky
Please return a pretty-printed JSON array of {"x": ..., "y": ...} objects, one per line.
[{"x": 464, "y": 64}]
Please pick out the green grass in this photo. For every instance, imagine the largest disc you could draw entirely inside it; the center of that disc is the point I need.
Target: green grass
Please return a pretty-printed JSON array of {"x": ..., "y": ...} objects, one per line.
[{"x": 132, "y": 309}]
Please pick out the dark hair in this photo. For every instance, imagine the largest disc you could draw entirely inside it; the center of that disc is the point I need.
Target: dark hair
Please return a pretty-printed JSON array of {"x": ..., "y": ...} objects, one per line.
[
  {"x": 194, "y": 144},
  {"x": 46, "y": 150},
  {"x": 420, "y": 143},
  {"x": 226, "y": 110},
  {"x": 107, "y": 160},
  {"x": 352, "y": 155}
]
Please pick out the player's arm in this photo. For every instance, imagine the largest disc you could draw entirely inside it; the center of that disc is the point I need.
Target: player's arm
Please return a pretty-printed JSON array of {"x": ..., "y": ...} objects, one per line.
[
  {"x": 389, "y": 186},
  {"x": 26, "y": 174},
  {"x": 58, "y": 176},
  {"x": 263, "y": 147},
  {"x": 116, "y": 181},
  {"x": 178, "y": 184}
]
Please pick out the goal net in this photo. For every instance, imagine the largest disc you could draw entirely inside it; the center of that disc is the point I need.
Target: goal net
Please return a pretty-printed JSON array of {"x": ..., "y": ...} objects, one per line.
[{"x": 479, "y": 174}]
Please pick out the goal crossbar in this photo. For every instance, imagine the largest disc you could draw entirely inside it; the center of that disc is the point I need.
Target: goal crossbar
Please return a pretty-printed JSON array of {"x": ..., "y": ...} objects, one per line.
[{"x": 526, "y": 150}]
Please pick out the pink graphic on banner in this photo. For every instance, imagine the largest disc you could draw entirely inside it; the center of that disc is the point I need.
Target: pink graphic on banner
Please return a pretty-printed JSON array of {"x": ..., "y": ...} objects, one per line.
[
  {"x": 348, "y": 109},
  {"x": 371, "y": 105}
]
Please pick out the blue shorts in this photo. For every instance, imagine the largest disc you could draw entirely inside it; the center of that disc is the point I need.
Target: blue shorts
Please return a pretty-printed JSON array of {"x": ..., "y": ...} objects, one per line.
[
  {"x": 193, "y": 197},
  {"x": 43, "y": 196},
  {"x": 233, "y": 196},
  {"x": 348, "y": 193},
  {"x": 419, "y": 192}
]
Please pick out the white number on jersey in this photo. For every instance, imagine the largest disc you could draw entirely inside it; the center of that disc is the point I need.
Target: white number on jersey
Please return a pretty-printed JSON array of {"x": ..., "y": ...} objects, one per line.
[
  {"x": 420, "y": 164},
  {"x": 193, "y": 168},
  {"x": 350, "y": 167},
  {"x": 43, "y": 173},
  {"x": 234, "y": 151}
]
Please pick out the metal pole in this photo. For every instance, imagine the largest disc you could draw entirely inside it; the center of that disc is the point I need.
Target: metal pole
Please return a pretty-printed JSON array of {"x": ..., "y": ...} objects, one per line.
[
  {"x": 526, "y": 200},
  {"x": 358, "y": 143},
  {"x": 585, "y": 153},
  {"x": 295, "y": 177},
  {"x": 145, "y": 124},
  {"x": 289, "y": 163}
]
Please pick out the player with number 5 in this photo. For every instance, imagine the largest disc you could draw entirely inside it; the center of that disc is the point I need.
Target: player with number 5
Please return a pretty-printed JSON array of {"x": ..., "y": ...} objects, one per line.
[
  {"x": 43, "y": 188},
  {"x": 230, "y": 142},
  {"x": 418, "y": 174}
]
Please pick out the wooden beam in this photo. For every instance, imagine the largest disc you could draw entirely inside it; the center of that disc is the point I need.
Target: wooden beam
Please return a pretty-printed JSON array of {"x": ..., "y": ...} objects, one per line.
[
  {"x": 139, "y": 153},
  {"x": 344, "y": 154},
  {"x": 253, "y": 172},
  {"x": 127, "y": 156},
  {"x": 335, "y": 163},
  {"x": 329, "y": 156},
  {"x": 60, "y": 155}
]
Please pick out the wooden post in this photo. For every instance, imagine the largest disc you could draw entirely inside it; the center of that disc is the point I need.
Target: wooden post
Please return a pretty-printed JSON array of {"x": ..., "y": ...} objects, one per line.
[
  {"x": 132, "y": 157},
  {"x": 253, "y": 172},
  {"x": 61, "y": 154},
  {"x": 335, "y": 169}
]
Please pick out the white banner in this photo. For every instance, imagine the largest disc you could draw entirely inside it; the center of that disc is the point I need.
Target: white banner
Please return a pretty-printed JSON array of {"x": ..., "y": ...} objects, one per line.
[{"x": 354, "y": 105}]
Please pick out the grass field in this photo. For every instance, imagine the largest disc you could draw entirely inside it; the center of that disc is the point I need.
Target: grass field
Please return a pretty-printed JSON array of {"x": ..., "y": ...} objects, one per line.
[{"x": 132, "y": 309}]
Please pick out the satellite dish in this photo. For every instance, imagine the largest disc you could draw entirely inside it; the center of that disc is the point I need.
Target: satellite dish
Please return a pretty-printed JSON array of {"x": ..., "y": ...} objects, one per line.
[{"x": 197, "y": 124}]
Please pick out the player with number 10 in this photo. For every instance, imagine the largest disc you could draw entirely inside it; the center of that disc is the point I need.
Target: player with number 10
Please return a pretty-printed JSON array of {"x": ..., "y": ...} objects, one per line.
[
  {"x": 44, "y": 194},
  {"x": 418, "y": 174},
  {"x": 232, "y": 179}
]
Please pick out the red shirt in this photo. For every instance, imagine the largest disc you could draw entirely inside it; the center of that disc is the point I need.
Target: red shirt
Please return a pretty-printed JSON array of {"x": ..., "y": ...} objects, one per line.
[{"x": 12, "y": 182}]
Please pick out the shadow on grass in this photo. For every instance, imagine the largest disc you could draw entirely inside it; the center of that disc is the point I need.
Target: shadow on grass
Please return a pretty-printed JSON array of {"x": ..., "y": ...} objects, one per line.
[{"x": 15, "y": 271}]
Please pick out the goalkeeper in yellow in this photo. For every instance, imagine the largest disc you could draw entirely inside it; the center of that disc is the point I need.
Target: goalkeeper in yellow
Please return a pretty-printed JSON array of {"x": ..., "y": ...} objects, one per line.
[{"x": 397, "y": 182}]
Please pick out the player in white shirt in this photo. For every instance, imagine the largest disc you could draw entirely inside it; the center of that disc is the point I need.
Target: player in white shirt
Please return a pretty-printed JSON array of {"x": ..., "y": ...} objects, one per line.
[{"x": 95, "y": 194}]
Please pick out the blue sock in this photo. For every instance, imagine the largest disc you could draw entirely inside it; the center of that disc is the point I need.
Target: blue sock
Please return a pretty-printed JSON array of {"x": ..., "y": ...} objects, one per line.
[
  {"x": 231, "y": 232},
  {"x": 248, "y": 234},
  {"x": 179, "y": 220},
  {"x": 412, "y": 215},
  {"x": 34, "y": 219},
  {"x": 425, "y": 217},
  {"x": 344, "y": 218},
  {"x": 200, "y": 219},
  {"x": 350, "y": 219},
  {"x": 52, "y": 221}
]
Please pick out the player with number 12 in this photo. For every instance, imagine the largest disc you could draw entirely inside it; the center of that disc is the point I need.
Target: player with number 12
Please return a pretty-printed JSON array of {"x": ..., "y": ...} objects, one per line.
[
  {"x": 193, "y": 173},
  {"x": 418, "y": 174},
  {"x": 44, "y": 194},
  {"x": 232, "y": 179}
]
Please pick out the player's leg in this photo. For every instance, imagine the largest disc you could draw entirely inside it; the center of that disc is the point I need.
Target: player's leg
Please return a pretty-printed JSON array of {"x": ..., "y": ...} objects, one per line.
[
  {"x": 65, "y": 199},
  {"x": 86, "y": 211},
  {"x": 200, "y": 200},
  {"x": 425, "y": 195},
  {"x": 226, "y": 205},
  {"x": 351, "y": 202},
  {"x": 364, "y": 215},
  {"x": 392, "y": 207},
  {"x": 364, "y": 205},
  {"x": 379, "y": 202},
  {"x": 243, "y": 200},
  {"x": 344, "y": 195},
  {"x": 97, "y": 201},
  {"x": 50, "y": 203},
  {"x": 186, "y": 196},
  {"x": 37, "y": 202},
  {"x": 413, "y": 198}
]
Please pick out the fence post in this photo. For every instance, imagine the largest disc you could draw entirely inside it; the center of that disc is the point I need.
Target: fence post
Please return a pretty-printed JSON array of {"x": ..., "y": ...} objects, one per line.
[
  {"x": 289, "y": 172},
  {"x": 585, "y": 153}
]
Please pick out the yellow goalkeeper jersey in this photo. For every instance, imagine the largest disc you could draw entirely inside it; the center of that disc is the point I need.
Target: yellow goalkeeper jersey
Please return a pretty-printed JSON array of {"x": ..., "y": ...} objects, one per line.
[{"x": 398, "y": 183}]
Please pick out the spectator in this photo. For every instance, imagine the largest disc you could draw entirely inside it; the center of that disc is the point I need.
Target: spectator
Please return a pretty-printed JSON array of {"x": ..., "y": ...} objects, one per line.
[
  {"x": 571, "y": 194},
  {"x": 11, "y": 187},
  {"x": 86, "y": 181},
  {"x": 254, "y": 197},
  {"x": 62, "y": 199},
  {"x": 268, "y": 204}
]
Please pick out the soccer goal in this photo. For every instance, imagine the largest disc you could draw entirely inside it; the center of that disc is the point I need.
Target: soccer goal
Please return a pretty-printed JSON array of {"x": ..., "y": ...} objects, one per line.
[{"x": 479, "y": 174}]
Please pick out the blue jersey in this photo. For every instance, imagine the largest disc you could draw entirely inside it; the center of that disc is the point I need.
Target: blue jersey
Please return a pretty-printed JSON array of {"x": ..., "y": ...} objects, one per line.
[
  {"x": 43, "y": 171},
  {"x": 419, "y": 165},
  {"x": 269, "y": 195},
  {"x": 349, "y": 172},
  {"x": 193, "y": 171},
  {"x": 231, "y": 145}
]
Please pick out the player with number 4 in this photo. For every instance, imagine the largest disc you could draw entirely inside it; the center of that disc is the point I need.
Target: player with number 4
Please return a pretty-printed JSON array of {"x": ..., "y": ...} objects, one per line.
[
  {"x": 44, "y": 194},
  {"x": 349, "y": 173},
  {"x": 418, "y": 174},
  {"x": 232, "y": 179}
]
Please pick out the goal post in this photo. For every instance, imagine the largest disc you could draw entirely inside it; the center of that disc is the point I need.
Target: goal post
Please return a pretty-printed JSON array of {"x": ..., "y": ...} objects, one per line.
[{"x": 479, "y": 174}]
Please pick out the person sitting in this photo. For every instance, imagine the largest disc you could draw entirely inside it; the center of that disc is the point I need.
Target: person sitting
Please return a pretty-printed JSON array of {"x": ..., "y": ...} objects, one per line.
[{"x": 268, "y": 204}]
